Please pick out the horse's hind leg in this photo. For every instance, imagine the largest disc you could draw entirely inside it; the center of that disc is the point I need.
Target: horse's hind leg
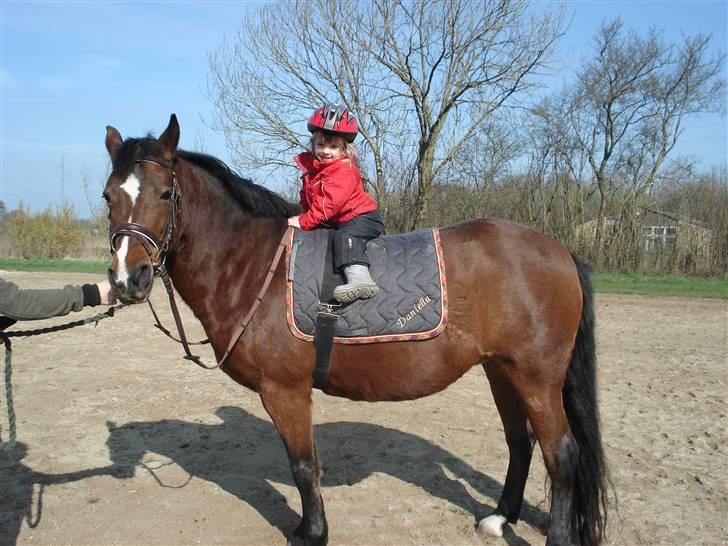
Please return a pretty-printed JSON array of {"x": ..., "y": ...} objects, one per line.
[
  {"x": 543, "y": 403},
  {"x": 560, "y": 455},
  {"x": 290, "y": 410},
  {"x": 520, "y": 446}
]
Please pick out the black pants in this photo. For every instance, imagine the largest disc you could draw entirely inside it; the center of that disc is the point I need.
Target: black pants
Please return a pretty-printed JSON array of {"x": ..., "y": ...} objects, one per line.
[{"x": 350, "y": 240}]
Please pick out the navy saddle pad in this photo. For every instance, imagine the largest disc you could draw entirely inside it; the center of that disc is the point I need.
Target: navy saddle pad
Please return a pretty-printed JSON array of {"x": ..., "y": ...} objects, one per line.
[{"x": 409, "y": 270}]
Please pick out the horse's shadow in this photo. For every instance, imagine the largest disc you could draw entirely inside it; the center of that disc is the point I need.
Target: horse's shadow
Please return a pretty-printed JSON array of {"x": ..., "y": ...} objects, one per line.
[
  {"x": 225, "y": 454},
  {"x": 350, "y": 452}
]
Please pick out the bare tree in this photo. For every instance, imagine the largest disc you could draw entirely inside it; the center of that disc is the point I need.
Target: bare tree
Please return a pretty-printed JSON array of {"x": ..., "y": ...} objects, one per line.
[
  {"x": 422, "y": 76},
  {"x": 628, "y": 107},
  {"x": 467, "y": 187},
  {"x": 700, "y": 199},
  {"x": 557, "y": 170}
]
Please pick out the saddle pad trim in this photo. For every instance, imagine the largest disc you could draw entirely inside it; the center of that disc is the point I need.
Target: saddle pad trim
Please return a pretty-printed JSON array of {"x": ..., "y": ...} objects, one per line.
[{"x": 380, "y": 338}]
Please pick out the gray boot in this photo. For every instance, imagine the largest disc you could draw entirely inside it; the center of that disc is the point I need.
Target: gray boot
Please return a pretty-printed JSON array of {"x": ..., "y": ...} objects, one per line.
[{"x": 359, "y": 284}]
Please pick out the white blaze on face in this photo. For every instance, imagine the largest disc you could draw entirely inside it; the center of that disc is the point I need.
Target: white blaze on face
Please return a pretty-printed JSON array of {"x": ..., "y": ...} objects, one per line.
[{"x": 131, "y": 187}]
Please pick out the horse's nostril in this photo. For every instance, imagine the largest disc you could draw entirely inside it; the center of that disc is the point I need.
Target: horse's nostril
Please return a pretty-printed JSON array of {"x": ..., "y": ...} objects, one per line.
[{"x": 142, "y": 277}]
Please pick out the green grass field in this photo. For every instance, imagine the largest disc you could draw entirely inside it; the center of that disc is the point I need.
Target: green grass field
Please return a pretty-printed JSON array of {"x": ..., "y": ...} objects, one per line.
[
  {"x": 606, "y": 283},
  {"x": 667, "y": 285},
  {"x": 57, "y": 266}
]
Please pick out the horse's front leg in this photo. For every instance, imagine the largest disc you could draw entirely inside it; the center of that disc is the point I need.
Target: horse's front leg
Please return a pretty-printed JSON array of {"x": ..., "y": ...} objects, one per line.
[{"x": 290, "y": 410}]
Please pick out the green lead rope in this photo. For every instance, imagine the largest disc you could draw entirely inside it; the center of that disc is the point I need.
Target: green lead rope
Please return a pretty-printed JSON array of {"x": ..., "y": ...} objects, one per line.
[
  {"x": 8, "y": 370},
  {"x": 7, "y": 378}
]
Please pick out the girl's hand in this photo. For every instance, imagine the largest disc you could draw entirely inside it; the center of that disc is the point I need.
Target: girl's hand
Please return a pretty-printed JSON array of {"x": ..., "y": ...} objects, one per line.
[{"x": 294, "y": 222}]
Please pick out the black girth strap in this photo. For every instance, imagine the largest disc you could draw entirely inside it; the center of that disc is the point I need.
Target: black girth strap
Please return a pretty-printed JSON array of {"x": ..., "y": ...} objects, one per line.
[{"x": 323, "y": 339}]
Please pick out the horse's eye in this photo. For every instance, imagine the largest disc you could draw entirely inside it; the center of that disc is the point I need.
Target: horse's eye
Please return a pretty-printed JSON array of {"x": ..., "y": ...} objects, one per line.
[
  {"x": 166, "y": 196},
  {"x": 106, "y": 198}
]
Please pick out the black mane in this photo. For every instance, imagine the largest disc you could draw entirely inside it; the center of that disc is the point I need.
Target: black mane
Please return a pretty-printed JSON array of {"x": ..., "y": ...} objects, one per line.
[{"x": 254, "y": 199}]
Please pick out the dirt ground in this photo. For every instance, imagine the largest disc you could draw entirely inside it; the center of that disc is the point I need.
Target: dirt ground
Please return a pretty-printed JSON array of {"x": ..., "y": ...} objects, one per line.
[{"x": 120, "y": 441}]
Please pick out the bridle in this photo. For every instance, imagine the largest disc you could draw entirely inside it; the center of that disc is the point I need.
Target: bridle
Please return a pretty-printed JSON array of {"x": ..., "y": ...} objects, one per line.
[
  {"x": 144, "y": 235},
  {"x": 150, "y": 243}
]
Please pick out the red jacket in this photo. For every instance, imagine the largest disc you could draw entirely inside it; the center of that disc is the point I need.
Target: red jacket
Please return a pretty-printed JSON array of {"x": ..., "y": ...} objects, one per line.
[{"x": 331, "y": 193}]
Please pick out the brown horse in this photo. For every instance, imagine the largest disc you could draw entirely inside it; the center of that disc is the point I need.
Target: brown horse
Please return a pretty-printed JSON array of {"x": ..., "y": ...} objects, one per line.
[{"x": 519, "y": 305}]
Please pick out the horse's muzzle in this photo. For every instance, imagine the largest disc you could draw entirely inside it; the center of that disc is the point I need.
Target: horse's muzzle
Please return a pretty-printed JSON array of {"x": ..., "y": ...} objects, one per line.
[{"x": 137, "y": 285}]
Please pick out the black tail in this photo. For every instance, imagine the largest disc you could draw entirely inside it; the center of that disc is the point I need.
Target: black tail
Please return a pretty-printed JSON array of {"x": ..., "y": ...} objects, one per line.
[{"x": 589, "y": 517}]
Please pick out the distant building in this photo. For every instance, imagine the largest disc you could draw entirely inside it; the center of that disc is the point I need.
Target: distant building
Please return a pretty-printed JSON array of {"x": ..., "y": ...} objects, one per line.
[
  {"x": 665, "y": 230},
  {"x": 662, "y": 232}
]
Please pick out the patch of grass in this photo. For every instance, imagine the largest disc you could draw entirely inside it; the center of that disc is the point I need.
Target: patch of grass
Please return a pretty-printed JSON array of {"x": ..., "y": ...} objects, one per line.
[
  {"x": 58, "y": 266},
  {"x": 666, "y": 285},
  {"x": 605, "y": 283}
]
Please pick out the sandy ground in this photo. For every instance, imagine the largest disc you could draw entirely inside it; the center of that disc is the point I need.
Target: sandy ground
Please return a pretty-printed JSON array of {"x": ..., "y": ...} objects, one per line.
[{"x": 123, "y": 442}]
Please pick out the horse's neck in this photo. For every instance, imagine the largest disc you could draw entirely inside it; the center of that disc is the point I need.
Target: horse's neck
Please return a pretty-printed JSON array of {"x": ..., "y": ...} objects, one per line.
[{"x": 222, "y": 256}]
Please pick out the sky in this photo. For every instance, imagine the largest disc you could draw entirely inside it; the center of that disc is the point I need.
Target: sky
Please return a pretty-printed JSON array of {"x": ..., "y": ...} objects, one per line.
[{"x": 69, "y": 69}]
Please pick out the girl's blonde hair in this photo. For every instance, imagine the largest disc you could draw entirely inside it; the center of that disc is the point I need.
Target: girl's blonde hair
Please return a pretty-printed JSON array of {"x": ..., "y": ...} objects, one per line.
[{"x": 349, "y": 149}]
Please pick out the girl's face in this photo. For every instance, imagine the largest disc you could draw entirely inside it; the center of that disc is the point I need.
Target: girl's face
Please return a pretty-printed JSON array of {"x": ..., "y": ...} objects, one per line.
[{"x": 327, "y": 148}]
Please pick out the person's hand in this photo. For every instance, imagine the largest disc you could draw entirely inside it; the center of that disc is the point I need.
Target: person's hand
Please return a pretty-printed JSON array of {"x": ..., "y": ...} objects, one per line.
[
  {"x": 295, "y": 221},
  {"x": 106, "y": 294}
]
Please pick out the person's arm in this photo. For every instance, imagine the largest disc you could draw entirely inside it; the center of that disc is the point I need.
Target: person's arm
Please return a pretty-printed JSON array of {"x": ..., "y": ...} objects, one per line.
[{"x": 33, "y": 304}]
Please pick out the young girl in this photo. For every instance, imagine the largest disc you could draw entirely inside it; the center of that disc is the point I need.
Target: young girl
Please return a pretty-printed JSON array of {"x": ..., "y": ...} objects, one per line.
[{"x": 332, "y": 194}]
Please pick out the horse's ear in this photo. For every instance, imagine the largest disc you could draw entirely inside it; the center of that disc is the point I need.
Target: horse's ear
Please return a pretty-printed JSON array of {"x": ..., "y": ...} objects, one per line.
[
  {"x": 169, "y": 139},
  {"x": 113, "y": 142}
]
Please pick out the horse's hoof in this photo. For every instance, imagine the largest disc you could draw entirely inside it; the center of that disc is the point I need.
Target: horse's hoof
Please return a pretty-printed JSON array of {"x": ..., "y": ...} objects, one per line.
[
  {"x": 492, "y": 525},
  {"x": 310, "y": 541}
]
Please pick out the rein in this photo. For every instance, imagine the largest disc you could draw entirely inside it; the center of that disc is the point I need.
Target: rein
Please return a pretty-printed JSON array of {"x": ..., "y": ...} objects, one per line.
[
  {"x": 146, "y": 237},
  {"x": 243, "y": 324}
]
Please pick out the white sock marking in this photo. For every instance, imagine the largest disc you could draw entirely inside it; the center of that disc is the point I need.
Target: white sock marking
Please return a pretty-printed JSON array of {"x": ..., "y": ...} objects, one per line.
[{"x": 492, "y": 525}]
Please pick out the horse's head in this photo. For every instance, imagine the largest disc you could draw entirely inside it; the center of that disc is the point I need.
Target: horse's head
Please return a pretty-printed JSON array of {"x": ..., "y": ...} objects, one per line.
[{"x": 143, "y": 198}]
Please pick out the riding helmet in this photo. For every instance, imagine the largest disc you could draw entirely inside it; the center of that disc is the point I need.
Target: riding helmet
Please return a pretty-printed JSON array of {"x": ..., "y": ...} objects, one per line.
[{"x": 335, "y": 119}]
